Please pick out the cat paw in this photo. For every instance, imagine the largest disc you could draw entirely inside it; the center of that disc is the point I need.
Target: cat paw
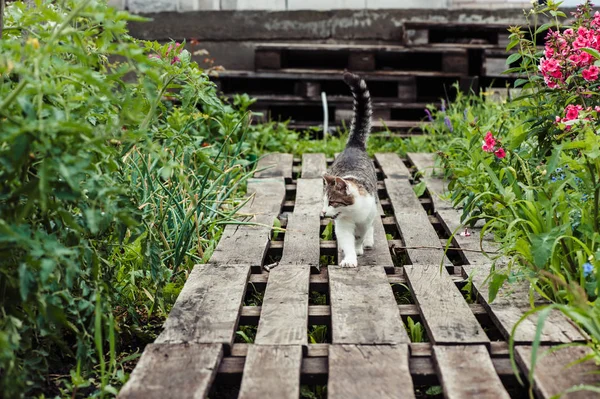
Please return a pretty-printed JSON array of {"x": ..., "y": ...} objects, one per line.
[
  {"x": 359, "y": 251},
  {"x": 349, "y": 263},
  {"x": 368, "y": 244}
]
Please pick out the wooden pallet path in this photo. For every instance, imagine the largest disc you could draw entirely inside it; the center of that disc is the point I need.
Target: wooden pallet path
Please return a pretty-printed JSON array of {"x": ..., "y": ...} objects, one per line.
[{"x": 366, "y": 349}]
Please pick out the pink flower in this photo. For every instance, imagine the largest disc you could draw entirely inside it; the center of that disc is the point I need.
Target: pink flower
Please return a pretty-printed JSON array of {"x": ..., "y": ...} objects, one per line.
[
  {"x": 489, "y": 139},
  {"x": 500, "y": 153},
  {"x": 487, "y": 148},
  {"x": 584, "y": 58},
  {"x": 549, "y": 65},
  {"x": 572, "y": 112},
  {"x": 175, "y": 59},
  {"x": 591, "y": 74},
  {"x": 154, "y": 56},
  {"x": 597, "y": 108}
]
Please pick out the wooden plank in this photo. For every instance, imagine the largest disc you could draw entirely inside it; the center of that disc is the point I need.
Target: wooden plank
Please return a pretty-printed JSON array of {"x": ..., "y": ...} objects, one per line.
[
  {"x": 392, "y": 166},
  {"x": 446, "y": 315},
  {"x": 307, "y": 89},
  {"x": 313, "y": 166},
  {"x": 267, "y": 59},
  {"x": 404, "y": 77},
  {"x": 272, "y": 372},
  {"x": 467, "y": 371},
  {"x": 309, "y": 197},
  {"x": 437, "y": 187},
  {"x": 553, "y": 373},
  {"x": 301, "y": 242},
  {"x": 302, "y": 239},
  {"x": 361, "y": 61},
  {"x": 208, "y": 307},
  {"x": 422, "y": 242},
  {"x": 247, "y": 244},
  {"x": 174, "y": 370},
  {"x": 509, "y": 306},
  {"x": 407, "y": 88},
  {"x": 379, "y": 255},
  {"x": 374, "y": 371},
  {"x": 456, "y": 62},
  {"x": 417, "y": 232},
  {"x": 476, "y": 251},
  {"x": 344, "y": 47},
  {"x": 275, "y": 165},
  {"x": 284, "y": 315},
  {"x": 417, "y": 349},
  {"x": 361, "y": 298}
]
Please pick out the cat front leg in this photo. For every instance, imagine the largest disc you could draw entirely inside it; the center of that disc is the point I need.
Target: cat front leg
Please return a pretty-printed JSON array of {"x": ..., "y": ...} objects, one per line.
[
  {"x": 345, "y": 238},
  {"x": 369, "y": 241}
]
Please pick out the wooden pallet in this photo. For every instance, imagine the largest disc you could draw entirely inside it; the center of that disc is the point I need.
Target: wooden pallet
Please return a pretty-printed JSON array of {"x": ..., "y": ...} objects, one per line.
[
  {"x": 404, "y": 86},
  {"x": 455, "y": 34},
  {"x": 359, "y": 57},
  {"x": 367, "y": 352},
  {"x": 298, "y": 109}
]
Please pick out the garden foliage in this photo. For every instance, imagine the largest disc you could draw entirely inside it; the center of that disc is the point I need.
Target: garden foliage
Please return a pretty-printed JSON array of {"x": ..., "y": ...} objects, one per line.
[
  {"x": 530, "y": 167},
  {"x": 118, "y": 166}
]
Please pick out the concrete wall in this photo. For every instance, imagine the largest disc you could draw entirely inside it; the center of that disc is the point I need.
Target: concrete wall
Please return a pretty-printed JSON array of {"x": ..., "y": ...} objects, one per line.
[{"x": 153, "y": 6}]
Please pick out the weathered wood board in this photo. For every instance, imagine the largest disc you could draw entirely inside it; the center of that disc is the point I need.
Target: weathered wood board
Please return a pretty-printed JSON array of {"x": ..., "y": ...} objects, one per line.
[
  {"x": 183, "y": 371},
  {"x": 309, "y": 197},
  {"x": 379, "y": 255},
  {"x": 361, "y": 297},
  {"x": 556, "y": 372},
  {"x": 467, "y": 371},
  {"x": 443, "y": 309},
  {"x": 313, "y": 166},
  {"x": 271, "y": 372},
  {"x": 369, "y": 371},
  {"x": 275, "y": 165},
  {"x": 284, "y": 314},
  {"x": 208, "y": 307},
  {"x": 248, "y": 244},
  {"x": 392, "y": 166},
  {"x": 511, "y": 303}
]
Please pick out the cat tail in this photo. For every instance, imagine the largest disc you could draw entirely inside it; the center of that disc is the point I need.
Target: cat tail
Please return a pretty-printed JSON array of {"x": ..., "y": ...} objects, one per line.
[{"x": 361, "y": 120}]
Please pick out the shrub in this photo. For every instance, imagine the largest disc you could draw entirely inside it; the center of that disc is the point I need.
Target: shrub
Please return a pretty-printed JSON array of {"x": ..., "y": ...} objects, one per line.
[
  {"x": 119, "y": 165},
  {"x": 541, "y": 196}
]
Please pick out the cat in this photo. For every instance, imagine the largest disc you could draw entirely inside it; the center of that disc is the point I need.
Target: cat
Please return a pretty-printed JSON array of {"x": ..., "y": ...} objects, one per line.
[{"x": 350, "y": 184}]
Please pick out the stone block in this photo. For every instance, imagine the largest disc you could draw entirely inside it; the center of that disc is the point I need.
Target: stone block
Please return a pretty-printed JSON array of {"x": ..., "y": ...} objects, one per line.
[
  {"x": 145, "y": 6},
  {"x": 397, "y": 4},
  {"x": 326, "y": 4},
  {"x": 253, "y": 4}
]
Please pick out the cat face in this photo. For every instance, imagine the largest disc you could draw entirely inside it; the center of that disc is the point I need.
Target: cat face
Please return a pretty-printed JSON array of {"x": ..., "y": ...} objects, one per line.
[{"x": 337, "y": 196}]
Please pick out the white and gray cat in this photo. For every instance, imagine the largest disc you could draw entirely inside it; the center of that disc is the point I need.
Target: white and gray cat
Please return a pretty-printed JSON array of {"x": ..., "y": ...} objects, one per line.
[{"x": 351, "y": 182}]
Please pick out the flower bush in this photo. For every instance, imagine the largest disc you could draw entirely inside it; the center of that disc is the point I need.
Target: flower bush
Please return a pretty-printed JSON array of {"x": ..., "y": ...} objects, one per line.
[{"x": 540, "y": 193}]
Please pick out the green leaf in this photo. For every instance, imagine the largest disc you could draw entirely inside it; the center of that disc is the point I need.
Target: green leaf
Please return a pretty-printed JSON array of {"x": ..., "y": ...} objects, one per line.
[
  {"x": 513, "y": 58},
  {"x": 495, "y": 284},
  {"x": 541, "y": 247},
  {"x": 543, "y": 28},
  {"x": 26, "y": 281},
  {"x": 420, "y": 188}
]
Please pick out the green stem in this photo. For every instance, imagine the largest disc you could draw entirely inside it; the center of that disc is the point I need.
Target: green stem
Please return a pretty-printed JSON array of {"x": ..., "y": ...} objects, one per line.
[
  {"x": 148, "y": 117},
  {"x": 1, "y": 16},
  {"x": 596, "y": 195},
  {"x": 11, "y": 97},
  {"x": 67, "y": 21}
]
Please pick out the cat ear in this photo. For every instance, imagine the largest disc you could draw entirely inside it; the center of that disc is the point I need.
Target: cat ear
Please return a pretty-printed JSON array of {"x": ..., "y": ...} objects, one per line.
[
  {"x": 340, "y": 183},
  {"x": 328, "y": 179}
]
